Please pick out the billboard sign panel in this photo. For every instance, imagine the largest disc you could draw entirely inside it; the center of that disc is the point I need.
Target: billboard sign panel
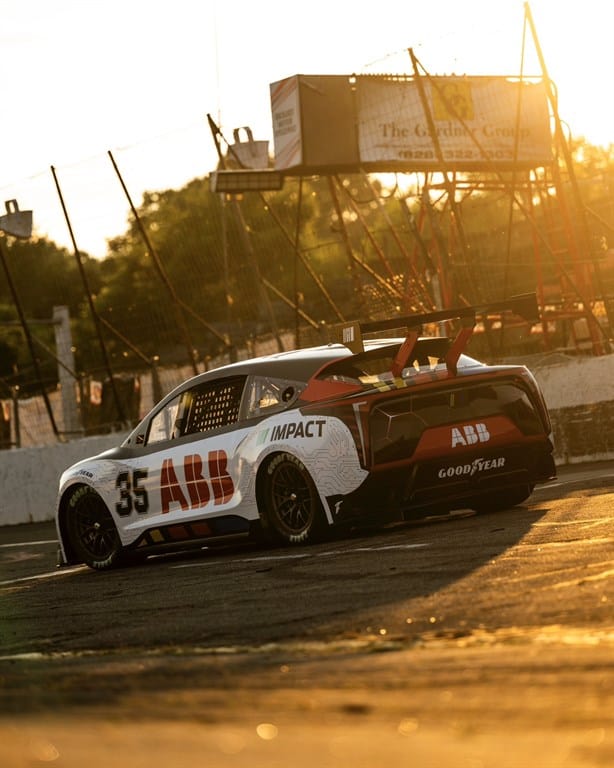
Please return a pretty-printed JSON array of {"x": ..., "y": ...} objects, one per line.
[
  {"x": 478, "y": 122},
  {"x": 286, "y": 114},
  {"x": 380, "y": 123},
  {"x": 314, "y": 124}
]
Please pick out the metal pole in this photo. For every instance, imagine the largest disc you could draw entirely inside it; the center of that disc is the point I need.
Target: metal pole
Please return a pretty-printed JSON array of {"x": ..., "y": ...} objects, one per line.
[
  {"x": 304, "y": 261},
  {"x": 253, "y": 262},
  {"x": 179, "y": 305},
  {"x": 15, "y": 398},
  {"x": 424, "y": 297},
  {"x": 90, "y": 300},
  {"x": 566, "y": 152},
  {"x": 66, "y": 367},
  {"x": 29, "y": 341},
  {"x": 217, "y": 134},
  {"x": 358, "y": 297},
  {"x": 297, "y": 235},
  {"x": 449, "y": 184}
]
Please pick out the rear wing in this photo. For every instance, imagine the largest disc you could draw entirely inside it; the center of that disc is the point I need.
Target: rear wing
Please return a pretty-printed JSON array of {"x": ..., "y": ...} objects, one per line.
[{"x": 352, "y": 333}]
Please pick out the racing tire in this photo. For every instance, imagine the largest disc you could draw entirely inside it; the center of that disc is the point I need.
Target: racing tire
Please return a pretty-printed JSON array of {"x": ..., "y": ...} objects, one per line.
[
  {"x": 91, "y": 530},
  {"x": 290, "y": 508},
  {"x": 500, "y": 500}
]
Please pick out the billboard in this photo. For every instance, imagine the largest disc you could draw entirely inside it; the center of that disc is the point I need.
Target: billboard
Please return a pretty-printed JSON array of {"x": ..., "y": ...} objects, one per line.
[
  {"x": 314, "y": 123},
  {"x": 386, "y": 123},
  {"x": 477, "y": 122}
]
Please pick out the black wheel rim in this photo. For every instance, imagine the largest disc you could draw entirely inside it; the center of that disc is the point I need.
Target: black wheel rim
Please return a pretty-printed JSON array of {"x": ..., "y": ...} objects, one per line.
[
  {"x": 291, "y": 498},
  {"x": 94, "y": 528}
]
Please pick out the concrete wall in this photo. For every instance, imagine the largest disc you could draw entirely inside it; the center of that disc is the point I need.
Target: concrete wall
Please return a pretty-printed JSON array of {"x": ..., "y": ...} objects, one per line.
[
  {"x": 580, "y": 396},
  {"x": 579, "y": 393},
  {"x": 29, "y": 476}
]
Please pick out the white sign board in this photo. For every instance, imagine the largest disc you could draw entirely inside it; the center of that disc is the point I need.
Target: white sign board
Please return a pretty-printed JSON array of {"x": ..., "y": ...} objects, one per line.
[{"x": 478, "y": 121}]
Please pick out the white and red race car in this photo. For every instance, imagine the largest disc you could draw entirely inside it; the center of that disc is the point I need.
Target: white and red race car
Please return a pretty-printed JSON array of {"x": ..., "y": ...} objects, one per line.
[{"x": 290, "y": 445}]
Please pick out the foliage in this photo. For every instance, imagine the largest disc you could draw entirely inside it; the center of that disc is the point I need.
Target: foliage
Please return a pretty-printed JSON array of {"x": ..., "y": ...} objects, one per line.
[
  {"x": 197, "y": 273},
  {"x": 43, "y": 276}
]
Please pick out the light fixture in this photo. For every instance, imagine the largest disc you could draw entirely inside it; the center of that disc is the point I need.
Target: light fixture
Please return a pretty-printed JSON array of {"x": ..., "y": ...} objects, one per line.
[
  {"x": 245, "y": 180},
  {"x": 15, "y": 222}
]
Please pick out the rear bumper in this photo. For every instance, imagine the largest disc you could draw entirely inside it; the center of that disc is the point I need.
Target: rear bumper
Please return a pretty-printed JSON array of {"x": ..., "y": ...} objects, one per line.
[{"x": 446, "y": 482}]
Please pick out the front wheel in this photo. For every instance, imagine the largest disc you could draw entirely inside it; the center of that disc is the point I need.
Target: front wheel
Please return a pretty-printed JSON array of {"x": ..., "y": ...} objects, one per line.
[
  {"x": 91, "y": 530},
  {"x": 290, "y": 507}
]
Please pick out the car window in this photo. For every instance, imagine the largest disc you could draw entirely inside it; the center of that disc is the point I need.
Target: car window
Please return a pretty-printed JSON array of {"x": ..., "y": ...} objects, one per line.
[
  {"x": 162, "y": 424},
  {"x": 266, "y": 395},
  {"x": 374, "y": 366},
  {"x": 201, "y": 409}
]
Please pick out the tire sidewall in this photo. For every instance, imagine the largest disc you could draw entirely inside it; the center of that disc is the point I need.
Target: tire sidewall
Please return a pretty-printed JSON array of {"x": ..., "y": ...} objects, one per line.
[
  {"x": 77, "y": 497},
  {"x": 274, "y": 527}
]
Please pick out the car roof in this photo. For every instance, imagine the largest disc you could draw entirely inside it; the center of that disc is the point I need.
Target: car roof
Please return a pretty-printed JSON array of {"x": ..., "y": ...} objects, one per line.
[
  {"x": 299, "y": 366},
  {"x": 296, "y": 365}
]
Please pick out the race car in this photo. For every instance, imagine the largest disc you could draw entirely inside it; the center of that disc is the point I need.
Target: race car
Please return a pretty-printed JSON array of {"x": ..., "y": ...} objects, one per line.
[{"x": 290, "y": 446}]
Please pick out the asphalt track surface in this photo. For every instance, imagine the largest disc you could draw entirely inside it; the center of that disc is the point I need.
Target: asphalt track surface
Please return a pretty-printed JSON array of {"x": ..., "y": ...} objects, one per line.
[{"x": 465, "y": 642}]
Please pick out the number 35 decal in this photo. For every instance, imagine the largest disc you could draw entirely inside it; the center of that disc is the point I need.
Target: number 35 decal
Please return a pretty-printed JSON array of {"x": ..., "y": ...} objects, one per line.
[{"x": 132, "y": 495}]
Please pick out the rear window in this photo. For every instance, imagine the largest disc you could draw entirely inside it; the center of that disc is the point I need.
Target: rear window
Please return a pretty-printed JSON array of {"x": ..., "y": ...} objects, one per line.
[{"x": 372, "y": 367}]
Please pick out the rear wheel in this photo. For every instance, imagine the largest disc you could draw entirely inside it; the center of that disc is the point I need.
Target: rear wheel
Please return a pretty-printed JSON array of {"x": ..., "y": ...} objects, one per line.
[
  {"x": 289, "y": 504},
  {"x": 91, "y": 530}
]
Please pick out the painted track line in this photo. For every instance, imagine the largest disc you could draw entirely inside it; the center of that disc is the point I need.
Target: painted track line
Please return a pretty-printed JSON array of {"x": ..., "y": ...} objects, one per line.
[{"x": 305, "y": 555}]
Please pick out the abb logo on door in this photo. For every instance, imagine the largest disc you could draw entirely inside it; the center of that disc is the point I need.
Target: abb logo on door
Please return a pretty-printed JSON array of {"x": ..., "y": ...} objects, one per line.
[{"x": 470, "y": 434}]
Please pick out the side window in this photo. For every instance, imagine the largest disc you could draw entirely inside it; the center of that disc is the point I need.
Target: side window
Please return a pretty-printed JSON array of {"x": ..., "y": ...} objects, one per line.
[
  {"x": 163, "y": 423},
  {"x": 208, "y": 406},
  {"x": 265, "y": 395}
]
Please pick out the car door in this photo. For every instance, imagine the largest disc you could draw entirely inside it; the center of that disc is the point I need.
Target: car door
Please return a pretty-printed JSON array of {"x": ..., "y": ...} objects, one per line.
[{"x": 188, "y": 468}]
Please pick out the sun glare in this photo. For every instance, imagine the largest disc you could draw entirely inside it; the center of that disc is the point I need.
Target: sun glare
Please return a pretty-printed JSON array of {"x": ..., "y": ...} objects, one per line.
[{"x": 149, "y": 103}]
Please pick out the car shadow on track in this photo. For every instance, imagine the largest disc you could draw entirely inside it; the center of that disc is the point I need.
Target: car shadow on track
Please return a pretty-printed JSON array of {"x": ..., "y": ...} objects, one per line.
[{"x": 170, "y": 622}]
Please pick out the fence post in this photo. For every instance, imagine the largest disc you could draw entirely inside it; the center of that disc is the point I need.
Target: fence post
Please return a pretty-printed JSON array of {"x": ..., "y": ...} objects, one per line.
[
  {"x": 66, "y": 367},
  {"x": 16, "y": 427}
]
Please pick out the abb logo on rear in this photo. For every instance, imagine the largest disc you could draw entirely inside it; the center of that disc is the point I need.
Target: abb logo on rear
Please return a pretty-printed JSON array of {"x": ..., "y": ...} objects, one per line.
[{"x": 470, "y": 435}]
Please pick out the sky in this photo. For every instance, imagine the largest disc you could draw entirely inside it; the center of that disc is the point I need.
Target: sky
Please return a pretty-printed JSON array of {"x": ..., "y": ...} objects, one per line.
[{"x": 138, "y": 78}]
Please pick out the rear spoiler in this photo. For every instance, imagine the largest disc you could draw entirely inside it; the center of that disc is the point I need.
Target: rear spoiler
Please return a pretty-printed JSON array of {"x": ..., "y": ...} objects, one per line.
[{"x": 352, "y": 333}]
